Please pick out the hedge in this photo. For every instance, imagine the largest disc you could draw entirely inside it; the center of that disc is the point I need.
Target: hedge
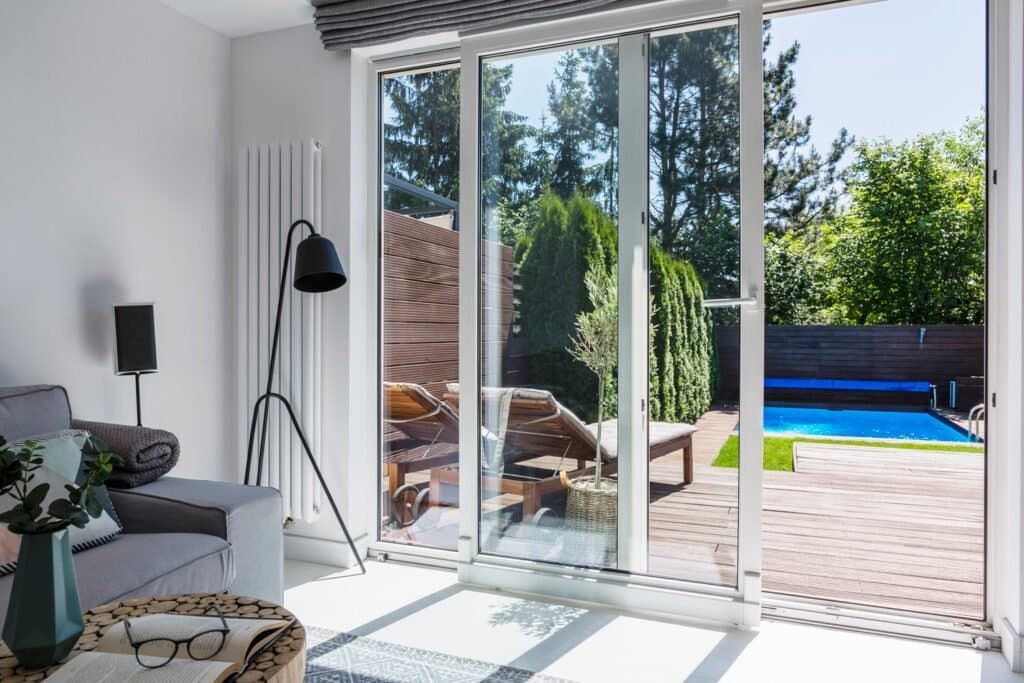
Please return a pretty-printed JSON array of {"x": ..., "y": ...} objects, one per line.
[
  {"x": 682, "y": 352},
  {"x": 568, "y": 237}
]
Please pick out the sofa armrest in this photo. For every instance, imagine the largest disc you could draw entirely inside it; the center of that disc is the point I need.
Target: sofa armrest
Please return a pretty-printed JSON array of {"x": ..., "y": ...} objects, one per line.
[{"x": 247, "y": 517}]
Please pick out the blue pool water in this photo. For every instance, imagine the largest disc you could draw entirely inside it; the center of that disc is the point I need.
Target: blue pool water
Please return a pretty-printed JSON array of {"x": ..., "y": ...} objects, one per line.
[{"x": 878, "y": 424}]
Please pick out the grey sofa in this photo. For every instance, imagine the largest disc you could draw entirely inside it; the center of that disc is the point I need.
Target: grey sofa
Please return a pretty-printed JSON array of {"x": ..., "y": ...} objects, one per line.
[{"x": 180, "y": 535}]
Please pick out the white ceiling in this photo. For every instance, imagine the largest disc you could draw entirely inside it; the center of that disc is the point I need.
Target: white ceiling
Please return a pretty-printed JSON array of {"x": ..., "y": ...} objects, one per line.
[{"x": 235, "y": 18}]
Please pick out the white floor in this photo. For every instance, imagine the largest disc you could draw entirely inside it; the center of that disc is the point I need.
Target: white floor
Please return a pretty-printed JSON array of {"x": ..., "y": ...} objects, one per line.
[{"x": 428, "y": 609}]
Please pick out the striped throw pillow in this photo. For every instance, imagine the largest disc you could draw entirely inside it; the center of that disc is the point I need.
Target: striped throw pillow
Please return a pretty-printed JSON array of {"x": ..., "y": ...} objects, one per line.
[{"x": 62, "y": 464}]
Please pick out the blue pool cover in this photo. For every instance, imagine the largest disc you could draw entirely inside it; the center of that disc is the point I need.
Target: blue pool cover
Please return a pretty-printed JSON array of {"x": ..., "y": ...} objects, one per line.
[
  {"x": 843, "y": 422},
  {"x": 846, "y": 384}
]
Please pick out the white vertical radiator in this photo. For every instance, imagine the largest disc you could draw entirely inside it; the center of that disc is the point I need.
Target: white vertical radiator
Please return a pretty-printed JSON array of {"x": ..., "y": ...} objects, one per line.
[{"x": 279, "y": 184}]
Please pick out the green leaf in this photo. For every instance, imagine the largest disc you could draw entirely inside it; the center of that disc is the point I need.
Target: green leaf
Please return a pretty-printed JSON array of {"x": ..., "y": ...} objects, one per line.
[
  {"x": 15, "y": 515},
  {"x": 36, "y": 495},
  {"x": 92, "y": 503},
  {"x": 62, "y": 509},
  {"x": 79, "y": 518}
]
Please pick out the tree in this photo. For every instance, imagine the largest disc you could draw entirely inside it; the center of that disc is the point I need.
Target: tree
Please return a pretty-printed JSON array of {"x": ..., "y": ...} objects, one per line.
[
  {"x": 569, "y": 238},
  {"x": 682, "y": 353},
  {"x": 792, "y": 281},
  {"x": 911, "y": 247},
  {"x": 601, "y": 64},
  {"x": 694, "y": 127},
  {"x": 421, "y": 137},
  {"x": 573, "y": 239},
  {"x": 504, "y": 135},
  {"x": 801, "y": 186},
  {"x": 573, "y": 129},
  {"x": 596, "y": 341},
  {"x": 694, "y": 142}
]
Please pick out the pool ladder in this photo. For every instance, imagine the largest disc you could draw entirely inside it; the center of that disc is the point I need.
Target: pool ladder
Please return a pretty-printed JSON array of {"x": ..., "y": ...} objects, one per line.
[{"x": 974, "y": 421}]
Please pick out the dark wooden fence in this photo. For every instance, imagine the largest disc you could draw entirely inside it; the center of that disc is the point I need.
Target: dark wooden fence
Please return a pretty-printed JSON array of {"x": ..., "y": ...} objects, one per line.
[
  {"x": 889, "y": 352},
  {"x": 420, "y": 294},
  {"x": 421, "y": 329}
]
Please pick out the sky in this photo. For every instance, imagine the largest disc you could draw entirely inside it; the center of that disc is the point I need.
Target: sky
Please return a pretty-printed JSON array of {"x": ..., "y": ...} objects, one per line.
[{"x": 892, "y": 68}]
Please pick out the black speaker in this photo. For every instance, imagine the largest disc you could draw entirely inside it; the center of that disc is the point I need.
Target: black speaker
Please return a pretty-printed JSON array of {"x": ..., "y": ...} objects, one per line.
[{"x": 135, "y": 338}]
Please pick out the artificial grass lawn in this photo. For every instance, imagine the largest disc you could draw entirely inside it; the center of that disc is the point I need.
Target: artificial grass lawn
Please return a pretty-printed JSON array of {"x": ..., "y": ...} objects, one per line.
[{"x": 778, "y": 450}]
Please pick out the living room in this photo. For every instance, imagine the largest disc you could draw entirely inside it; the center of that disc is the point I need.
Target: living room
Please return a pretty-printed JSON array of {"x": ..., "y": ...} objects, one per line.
[{"x": 736, "y": 294}]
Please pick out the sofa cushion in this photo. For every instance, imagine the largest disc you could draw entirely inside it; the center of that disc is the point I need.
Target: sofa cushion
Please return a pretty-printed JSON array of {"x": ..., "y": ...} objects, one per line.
[
  {"x": 135, "y": 565},
  {"x": 33, "y": 410}
]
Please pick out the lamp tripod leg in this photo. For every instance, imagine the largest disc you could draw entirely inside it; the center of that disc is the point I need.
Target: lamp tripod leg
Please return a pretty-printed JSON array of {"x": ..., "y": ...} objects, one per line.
[
  {"x": 337, "y": 513},
  {"x": 265, "y": 398}
]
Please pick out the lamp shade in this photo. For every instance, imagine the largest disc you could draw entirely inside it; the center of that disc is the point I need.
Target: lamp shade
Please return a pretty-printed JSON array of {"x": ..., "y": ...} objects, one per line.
[
  {"x": 135, "y": 339},
  {"x": 317, "y": 266}
]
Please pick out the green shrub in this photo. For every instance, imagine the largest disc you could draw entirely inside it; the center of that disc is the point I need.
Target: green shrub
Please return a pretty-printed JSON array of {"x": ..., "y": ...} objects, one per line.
[
  {"x": 682, "y": 352},
  {"x": 567, "y": 239}
]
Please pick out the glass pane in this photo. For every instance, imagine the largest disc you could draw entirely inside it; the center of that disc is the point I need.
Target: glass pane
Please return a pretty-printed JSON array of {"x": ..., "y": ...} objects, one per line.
[
  {"x": 695, "y": 153},
  {"x": 419, "y": 307},
  {"x": 694, "y": 351},
  {"x": 549, "y": 305}
]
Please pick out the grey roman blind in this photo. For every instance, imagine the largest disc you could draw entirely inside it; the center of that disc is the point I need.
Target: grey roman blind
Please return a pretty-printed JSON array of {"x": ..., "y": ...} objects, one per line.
[{"x": 345, "y": 24}]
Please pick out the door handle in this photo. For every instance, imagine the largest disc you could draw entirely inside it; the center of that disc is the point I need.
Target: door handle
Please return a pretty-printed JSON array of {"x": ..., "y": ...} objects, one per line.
[{"x": 730, "y": 303}]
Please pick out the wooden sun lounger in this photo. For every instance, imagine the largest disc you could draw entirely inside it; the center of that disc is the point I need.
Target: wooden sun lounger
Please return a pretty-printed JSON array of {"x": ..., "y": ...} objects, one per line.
[
  {"x": 538, "y": 425},
  {"x": 425, "y": 432}
]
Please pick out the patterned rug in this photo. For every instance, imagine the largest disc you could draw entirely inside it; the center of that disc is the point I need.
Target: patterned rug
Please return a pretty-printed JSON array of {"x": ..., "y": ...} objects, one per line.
[{"x": 344, "y": 658}]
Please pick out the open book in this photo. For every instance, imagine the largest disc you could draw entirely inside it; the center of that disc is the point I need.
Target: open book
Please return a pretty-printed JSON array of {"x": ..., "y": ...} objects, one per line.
[{"x": 114, "y": 657}]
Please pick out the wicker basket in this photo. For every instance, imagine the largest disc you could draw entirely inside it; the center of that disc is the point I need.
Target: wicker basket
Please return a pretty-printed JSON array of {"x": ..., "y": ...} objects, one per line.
[{"x": 592, "y": 520}]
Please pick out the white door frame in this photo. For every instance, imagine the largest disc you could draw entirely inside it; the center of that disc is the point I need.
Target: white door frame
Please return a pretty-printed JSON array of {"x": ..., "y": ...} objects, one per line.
[
  {"x": 634, "y": 307},
  {"x": 1005, "y": 371},
  {"x": 1005, "y": 477}
]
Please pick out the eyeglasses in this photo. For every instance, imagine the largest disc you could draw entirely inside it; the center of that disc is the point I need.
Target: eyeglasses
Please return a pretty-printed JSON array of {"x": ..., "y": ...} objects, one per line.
[{"x": 154, "y": 653}]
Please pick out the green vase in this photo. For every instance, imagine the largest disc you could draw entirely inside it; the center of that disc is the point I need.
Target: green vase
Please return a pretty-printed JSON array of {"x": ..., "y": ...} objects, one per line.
[{"x": 44, "y": 618}]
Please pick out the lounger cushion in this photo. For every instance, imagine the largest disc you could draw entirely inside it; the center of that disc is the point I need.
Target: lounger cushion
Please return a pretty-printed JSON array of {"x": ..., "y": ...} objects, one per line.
[{"x": 658, "y": 433}]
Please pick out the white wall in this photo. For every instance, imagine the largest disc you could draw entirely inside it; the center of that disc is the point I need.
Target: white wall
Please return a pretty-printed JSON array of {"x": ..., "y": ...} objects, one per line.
[
  {"x": 114, "y": 126},
  {"x": 285, "y": 86}
]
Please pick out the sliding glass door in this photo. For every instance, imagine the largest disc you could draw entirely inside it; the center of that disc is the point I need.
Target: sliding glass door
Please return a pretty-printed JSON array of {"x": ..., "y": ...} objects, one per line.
[
  {"x": 694, "y": 264},
  {"x": 618, "y": 219},
  {"x": 567, "y": 215},
  {"x": 575, "y": 220},
  {"x": 548, "y": 311}
]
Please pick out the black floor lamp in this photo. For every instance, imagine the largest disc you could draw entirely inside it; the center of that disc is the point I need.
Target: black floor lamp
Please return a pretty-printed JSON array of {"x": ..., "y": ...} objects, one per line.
[{"x": 317, "y": 269}]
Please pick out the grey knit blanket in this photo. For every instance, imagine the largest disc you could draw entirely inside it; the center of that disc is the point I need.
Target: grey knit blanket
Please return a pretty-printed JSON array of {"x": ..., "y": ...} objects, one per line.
[{"x": 148, "y": 454}]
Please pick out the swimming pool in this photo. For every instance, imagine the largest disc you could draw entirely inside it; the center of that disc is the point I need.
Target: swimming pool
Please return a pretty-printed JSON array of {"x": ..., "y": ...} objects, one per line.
[{"x": 860, "y": 423}]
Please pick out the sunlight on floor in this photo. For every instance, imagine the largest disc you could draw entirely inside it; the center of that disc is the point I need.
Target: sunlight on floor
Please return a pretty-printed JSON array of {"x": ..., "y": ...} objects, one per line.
[{"x": 427, "y": 609}]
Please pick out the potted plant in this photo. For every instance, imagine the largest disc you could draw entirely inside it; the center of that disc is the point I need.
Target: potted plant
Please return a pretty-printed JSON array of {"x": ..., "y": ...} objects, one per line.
[
  {"x": 592, "y": 505},
  {"x": 44, "y": 618}
]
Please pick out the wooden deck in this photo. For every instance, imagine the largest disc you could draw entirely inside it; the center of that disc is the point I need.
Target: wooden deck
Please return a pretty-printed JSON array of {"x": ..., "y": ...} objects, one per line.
[{"x": 888, "y": 528}]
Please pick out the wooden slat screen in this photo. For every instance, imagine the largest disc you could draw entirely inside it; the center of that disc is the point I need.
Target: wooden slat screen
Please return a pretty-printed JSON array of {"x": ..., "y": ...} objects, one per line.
[{"x": 420, "y": 302}]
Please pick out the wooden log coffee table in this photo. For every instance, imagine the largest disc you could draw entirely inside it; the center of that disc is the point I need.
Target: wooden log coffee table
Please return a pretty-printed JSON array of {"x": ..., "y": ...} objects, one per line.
[{"x": 284, "y": 663}]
